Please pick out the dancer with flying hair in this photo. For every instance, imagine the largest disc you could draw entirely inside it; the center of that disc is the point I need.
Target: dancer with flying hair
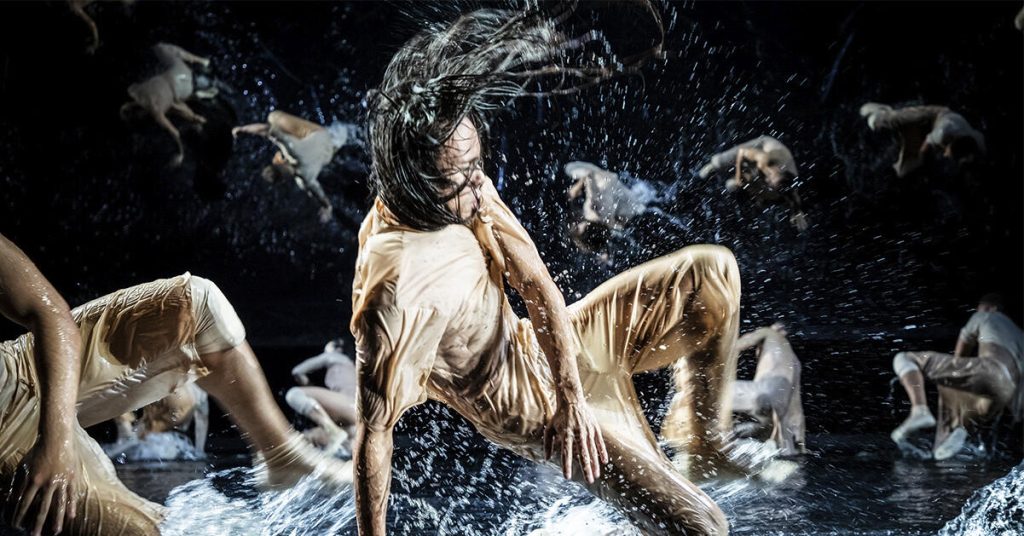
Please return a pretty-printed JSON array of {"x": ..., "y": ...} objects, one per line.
[{"x": 431, "y": 318}]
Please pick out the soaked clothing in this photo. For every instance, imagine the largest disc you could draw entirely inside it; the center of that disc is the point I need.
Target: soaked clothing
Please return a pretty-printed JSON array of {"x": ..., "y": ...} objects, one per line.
[
  {"x": 936, "y": 125},
  {"x": 310, "y": 154},
  {"x": 138, "y": 345},
  {"x": 973, "y": 388},
  {"x": 421, "y": 300},
  {"x": 1000, "y": 339}
]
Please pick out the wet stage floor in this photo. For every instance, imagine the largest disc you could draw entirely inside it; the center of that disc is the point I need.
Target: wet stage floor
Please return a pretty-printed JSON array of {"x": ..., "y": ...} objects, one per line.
[{"x": 847, "y": 485}]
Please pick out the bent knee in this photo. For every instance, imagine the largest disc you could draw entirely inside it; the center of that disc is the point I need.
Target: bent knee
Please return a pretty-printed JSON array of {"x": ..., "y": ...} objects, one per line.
[
  {"x": 904, "y": 363},
  {"x": 275, "y": 117},
  {"x": 705, "y": 519},
  {"x": 715, "y": 273},
  {"x": 300, "y": 401},
  {"x": 218, "y": 327}
]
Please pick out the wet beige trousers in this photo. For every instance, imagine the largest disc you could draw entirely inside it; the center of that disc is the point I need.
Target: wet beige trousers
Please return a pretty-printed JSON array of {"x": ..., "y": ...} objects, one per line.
[{"x": 679, "y": 311}]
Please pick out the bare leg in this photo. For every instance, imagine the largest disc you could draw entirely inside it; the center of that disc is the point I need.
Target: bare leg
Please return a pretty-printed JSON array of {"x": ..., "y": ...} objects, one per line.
[
  {"x": 236, "y": 381},
  {"x": 162, "y": 120},
  {"x": 256, "y": 129},
  {"x": 913, "y": 384},
  {"x": 341, "y": 409},
  {"x": 290, "y": 124},
  {"x": 906, "y": 366},
  {"x": 300, "y": 400},
  {"x": 187, "y": 113}
]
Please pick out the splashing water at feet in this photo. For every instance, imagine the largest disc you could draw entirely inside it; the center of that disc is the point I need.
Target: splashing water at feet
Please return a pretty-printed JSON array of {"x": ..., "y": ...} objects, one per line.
[{"x": 225, "y": 502}]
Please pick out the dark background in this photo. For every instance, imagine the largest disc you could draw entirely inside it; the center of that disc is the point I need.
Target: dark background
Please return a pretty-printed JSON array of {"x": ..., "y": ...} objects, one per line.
[{"x": 888, "y": 264}]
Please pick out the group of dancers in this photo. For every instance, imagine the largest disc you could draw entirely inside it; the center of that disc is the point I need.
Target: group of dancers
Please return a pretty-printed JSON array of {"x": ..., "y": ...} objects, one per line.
[{"x": 431, "y": 318}]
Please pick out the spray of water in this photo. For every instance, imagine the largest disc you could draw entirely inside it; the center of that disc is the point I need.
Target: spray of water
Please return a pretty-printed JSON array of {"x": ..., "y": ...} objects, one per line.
[{"x": 995, "y": 510}]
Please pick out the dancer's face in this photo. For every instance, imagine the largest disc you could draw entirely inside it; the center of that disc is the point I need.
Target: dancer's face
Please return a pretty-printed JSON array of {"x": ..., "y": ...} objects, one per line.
[{"x": 461, "y": 163}]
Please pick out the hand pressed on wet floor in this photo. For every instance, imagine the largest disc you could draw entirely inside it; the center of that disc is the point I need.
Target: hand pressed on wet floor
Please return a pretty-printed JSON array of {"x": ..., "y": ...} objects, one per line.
[
  {"x": 574, "y": 425},
  {"x": 47, "y": 487}
]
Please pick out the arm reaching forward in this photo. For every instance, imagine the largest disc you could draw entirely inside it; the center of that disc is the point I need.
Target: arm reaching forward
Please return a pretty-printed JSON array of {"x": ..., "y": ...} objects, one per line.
[
  {"x": 749, "y": 340},
  {"x": 26, "y": 297},
  {"x": 302, "y": 370},
  {"x": 573, "y": 422}
]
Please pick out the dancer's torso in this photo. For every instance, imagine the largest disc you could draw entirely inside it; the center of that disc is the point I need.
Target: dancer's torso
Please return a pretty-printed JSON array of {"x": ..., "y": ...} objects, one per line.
[
  {"x": 777, "y": 359},
  {"x": 488, "y": 366}
]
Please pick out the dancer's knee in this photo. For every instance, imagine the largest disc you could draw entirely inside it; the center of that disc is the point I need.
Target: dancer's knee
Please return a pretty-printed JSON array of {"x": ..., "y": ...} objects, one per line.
[
  {"x": 218, "y": 327},
  {"x": 300, "y": 401},
  {"x": 904, "y": 364}
]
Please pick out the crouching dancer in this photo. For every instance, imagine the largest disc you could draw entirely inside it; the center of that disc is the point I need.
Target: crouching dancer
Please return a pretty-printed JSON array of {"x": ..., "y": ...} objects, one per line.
[
  {"x": 431, "y": 318},
  {"x": 107, "y": 357},
  {"x": 981, "y": 378}
]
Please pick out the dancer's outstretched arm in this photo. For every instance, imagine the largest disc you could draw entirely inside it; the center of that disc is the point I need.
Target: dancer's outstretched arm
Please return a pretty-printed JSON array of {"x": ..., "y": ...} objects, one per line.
[
  {"x": 573, "y": 422},
  {"x": 749, "y": 340},
  {"x": 302, "y": 370},
  {"x": 27, "y": 298},
  {"x": 256, "y": 129}
]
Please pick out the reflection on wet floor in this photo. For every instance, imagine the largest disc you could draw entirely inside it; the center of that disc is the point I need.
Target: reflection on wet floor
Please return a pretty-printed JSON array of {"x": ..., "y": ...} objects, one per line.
[{"x": 852, "y": 484}]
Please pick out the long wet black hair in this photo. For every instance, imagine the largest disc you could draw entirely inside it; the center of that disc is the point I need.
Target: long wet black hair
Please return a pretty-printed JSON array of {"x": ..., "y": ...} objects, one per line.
[{"x": 471, "y": 68}]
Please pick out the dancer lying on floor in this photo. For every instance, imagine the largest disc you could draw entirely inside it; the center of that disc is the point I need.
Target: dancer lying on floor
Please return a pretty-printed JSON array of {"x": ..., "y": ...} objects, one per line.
[
  {"x": 981, "y": 378},
  {"x": 431, "y": 318},
  {"x": 107, "y": 357}
]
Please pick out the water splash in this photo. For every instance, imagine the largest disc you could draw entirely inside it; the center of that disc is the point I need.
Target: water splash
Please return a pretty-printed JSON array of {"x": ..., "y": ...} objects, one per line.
[
  {"x": 226, "y": 503},
  {"x": 161, "y": 446},
  {"x": 995, "y": 510}
]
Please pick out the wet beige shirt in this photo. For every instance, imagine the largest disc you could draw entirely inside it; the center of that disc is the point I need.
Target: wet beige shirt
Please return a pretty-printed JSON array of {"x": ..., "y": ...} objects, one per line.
[{"x": 417, "y": 294}]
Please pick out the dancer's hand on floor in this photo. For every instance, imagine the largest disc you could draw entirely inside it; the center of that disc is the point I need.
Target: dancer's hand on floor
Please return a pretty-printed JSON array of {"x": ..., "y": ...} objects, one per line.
[
  {"x": 48, "y": 477},
  {"x": 573, "y": 424}
]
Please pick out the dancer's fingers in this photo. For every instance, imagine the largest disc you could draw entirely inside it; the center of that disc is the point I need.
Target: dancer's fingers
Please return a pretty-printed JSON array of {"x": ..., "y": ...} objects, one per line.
[
  {"x": 46, "y": 499},
  {"x": 26, "y": 497},
  {"x": 602, "y": 449},
  {"x": 567, "y": 456},
  {"x": 585, "y": 457}
]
